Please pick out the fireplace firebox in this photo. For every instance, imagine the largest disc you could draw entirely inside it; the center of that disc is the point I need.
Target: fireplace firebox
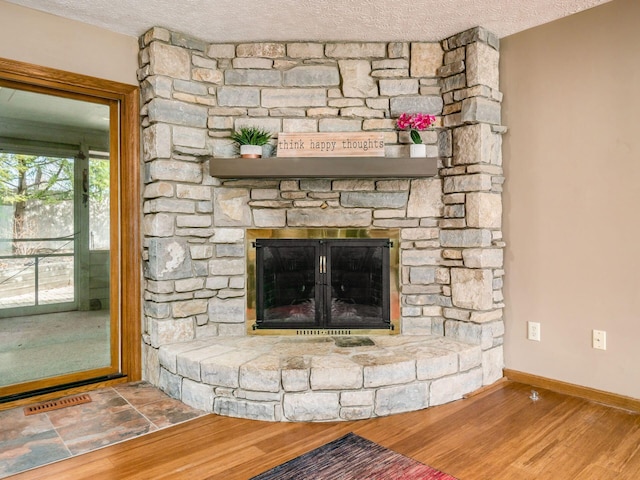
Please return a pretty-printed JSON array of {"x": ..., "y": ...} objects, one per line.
[{"x": 322, "y": 284}]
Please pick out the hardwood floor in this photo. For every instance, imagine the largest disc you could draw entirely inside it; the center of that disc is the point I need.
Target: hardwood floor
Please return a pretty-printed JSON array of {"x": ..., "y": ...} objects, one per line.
[{"x": 499, "y": 434}]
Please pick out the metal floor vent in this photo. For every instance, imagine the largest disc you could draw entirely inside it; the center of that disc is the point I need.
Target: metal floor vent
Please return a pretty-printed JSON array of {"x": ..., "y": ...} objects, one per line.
[
  {"x": 323, "y": 332},
  {"x": 57, "y": 404}
]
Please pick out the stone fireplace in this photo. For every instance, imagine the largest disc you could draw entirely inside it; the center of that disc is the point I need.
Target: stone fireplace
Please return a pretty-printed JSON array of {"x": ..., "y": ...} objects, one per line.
[{"x": 447, "y": 309}]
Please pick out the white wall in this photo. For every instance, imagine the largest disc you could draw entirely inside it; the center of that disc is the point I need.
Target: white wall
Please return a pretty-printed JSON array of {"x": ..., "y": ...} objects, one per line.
[
  {"x": 34, "y": 37},
  {"x": 572, "y": 197}
]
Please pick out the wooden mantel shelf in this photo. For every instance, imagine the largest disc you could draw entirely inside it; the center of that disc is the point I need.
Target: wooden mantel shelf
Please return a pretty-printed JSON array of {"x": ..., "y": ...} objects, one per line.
[{"x": 323, "y": 167}]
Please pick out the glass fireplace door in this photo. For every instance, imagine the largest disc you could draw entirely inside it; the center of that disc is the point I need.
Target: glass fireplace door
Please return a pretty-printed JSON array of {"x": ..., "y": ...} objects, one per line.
[{"x": 322, "y": 284}]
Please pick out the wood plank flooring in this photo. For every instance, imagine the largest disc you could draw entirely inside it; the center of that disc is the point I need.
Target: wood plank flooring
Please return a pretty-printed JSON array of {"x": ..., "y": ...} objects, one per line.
[{"x": 499, "y": 434}]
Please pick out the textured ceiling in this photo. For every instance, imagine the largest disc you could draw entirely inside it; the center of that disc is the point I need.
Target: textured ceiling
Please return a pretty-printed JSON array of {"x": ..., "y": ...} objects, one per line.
[{"x": 313, "y": 20}]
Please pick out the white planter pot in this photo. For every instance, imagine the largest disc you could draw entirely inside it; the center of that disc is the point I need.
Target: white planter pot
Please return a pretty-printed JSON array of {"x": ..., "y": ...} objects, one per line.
[
  {"x": 251, "y": 151},
  {"x": 417, "y": 150}
]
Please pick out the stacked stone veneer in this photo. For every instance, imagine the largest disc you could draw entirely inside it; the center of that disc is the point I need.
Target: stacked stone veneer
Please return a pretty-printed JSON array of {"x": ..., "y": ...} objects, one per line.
[{"x": 195, "y": 94}]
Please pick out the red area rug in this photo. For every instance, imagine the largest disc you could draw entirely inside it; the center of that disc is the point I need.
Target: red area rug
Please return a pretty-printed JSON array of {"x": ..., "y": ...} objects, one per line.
[{"x": 353, "y": 458}]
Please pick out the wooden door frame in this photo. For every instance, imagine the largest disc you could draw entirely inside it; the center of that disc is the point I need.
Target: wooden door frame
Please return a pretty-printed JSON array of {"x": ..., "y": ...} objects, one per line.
[{"x": 128, "y": 141}]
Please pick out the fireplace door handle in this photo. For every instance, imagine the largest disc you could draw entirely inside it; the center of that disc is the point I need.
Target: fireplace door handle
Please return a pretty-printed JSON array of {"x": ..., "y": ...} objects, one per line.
[{"x": 323, "y": 264}]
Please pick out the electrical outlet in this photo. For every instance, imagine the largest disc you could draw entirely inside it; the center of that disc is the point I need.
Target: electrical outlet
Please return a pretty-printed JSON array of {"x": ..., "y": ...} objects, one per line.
[
  {"x": 533, "y": 331},
  {"x": 599, "y": 339}
]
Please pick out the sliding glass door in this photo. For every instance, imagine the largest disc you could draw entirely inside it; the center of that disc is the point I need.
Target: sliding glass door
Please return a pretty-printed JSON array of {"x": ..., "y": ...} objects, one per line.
[{"x": 61, "y": 184}]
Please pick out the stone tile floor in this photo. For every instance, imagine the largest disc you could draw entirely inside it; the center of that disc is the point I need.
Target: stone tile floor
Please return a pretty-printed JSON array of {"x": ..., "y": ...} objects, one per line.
[{"x": 114, "y": 414}]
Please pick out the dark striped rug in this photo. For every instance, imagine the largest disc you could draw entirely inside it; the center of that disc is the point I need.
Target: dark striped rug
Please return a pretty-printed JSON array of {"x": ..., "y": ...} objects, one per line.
[{"x": 353, "y": 458}]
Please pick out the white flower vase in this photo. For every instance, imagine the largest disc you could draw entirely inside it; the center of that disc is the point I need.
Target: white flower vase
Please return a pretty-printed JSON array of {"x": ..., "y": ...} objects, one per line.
[
  {"x": 250, "y": 151},
  {"x": 417, "y": 150}
]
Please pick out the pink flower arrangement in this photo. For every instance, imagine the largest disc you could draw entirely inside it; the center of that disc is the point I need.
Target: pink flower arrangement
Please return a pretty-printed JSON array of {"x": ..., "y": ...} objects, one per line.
[{"x": 415, "y": 123}]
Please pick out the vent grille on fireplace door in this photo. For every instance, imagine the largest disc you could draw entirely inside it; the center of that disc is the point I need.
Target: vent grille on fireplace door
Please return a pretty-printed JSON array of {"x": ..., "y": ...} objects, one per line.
[{"x": 322, "y": 284}]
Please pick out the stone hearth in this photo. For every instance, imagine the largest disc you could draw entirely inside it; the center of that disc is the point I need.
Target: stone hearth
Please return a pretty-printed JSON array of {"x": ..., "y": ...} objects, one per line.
[
  {"x": 196, "y": 345},
  {"x": 320, "y": 378}
]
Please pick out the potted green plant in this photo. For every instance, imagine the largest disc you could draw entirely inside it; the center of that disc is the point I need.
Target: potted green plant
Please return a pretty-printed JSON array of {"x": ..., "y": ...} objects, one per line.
[{"x": 251, "y": 140}]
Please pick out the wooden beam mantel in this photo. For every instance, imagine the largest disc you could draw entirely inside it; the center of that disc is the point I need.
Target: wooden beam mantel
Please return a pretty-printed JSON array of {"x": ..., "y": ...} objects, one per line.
[{"x": 323, "y": 167}]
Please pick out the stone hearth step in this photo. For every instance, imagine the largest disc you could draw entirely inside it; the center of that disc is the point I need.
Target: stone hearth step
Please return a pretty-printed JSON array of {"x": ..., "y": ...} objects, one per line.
[{"x": 288, "y": 378}]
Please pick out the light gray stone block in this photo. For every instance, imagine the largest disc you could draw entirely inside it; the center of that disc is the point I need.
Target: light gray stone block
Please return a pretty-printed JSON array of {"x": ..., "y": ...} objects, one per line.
[
  {"x": 231, "y": 207},
  {"x": 261, "y": 374},
  {"x": 221, "y": 50},
  {"x": 188, "y": 308},
  {"x": 422, "y": 275},
  {"x": 164, "y": 331},
  {"x": 169, "y": 259},
  {"x": 483, "y": 210},
  {"x": 228, "y": 235},
  {"x": 339, "y": 125},
  {"x": 421, "y": 257},
  {"x": 158, "y": 189},
  {"x": 311, "y": 406},
  {"x": 357, "y": 398},
  {"x": 356, "y": 413},
  {"x": 472, "y": 288},
  {"x": 459, "y": 238},
  {"x": 335, "y": 373},
  {"x": 355, "y": 50},
  {"x": 158, "y": 225},
  {"x": 398, "y": 50},
  {"x": 227, "y": 311},
  {"x": 227, "y": 266},
  {"x": 311, "y": 76},
  {"x": 175, "y": 170},
  {"x": 356, "y": 79},
  {"x": 294, "y": 97},
  {"x": 492, "y": 365},
  {"x": 169, "y": 60},
  {"x": 168, "y": 354},
  {"x": 161, "y": 110},
  {"x": 223, "y": 370},
  {"x": 193, "y": 192},
  {"x": 230, "y": 250},
  {"x": 189, "y": 361},
  {"x": 483, "y": 257},
  {"x": 170, "y": 384},
  {"x": 193, "y": 221},
  {"x": 435, "y": 363},
  {"x": 232, "y": 407},
  {"x": 425, "y": 199},
  {"x": 448, "y": 389},
  {"x": 328, "y": 217},
  {"x": 239, "y": 96},
  {"x": 299, "y": 125},
  {"x": 482, "y": 65},
  {"x": 268, "y": 218},
  {"x": 393, "y": 87},
  {"x": 156, "y": 142},
  {"x": 468, "y": 183},
  {"x": 253, "y": 78},
  {"x": 207, "y": 75},
  {"x": 475, "y": 144},
  {"x": 264, "y": 49},
  {"x": 295, "y": 374},
  {"x": 416, "y": 104},
  {"x": 305, "y": 50},
  {"x": 382, "y": 371},
  {"x": 426, "y": 58},
  {"x": 374, "y": 199},
  {"x": 417, "y": 326},
  {"x": 404, "y": 398},
  {"x": 479, "y": 109},
  {"x": 264, "y": 63}
]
